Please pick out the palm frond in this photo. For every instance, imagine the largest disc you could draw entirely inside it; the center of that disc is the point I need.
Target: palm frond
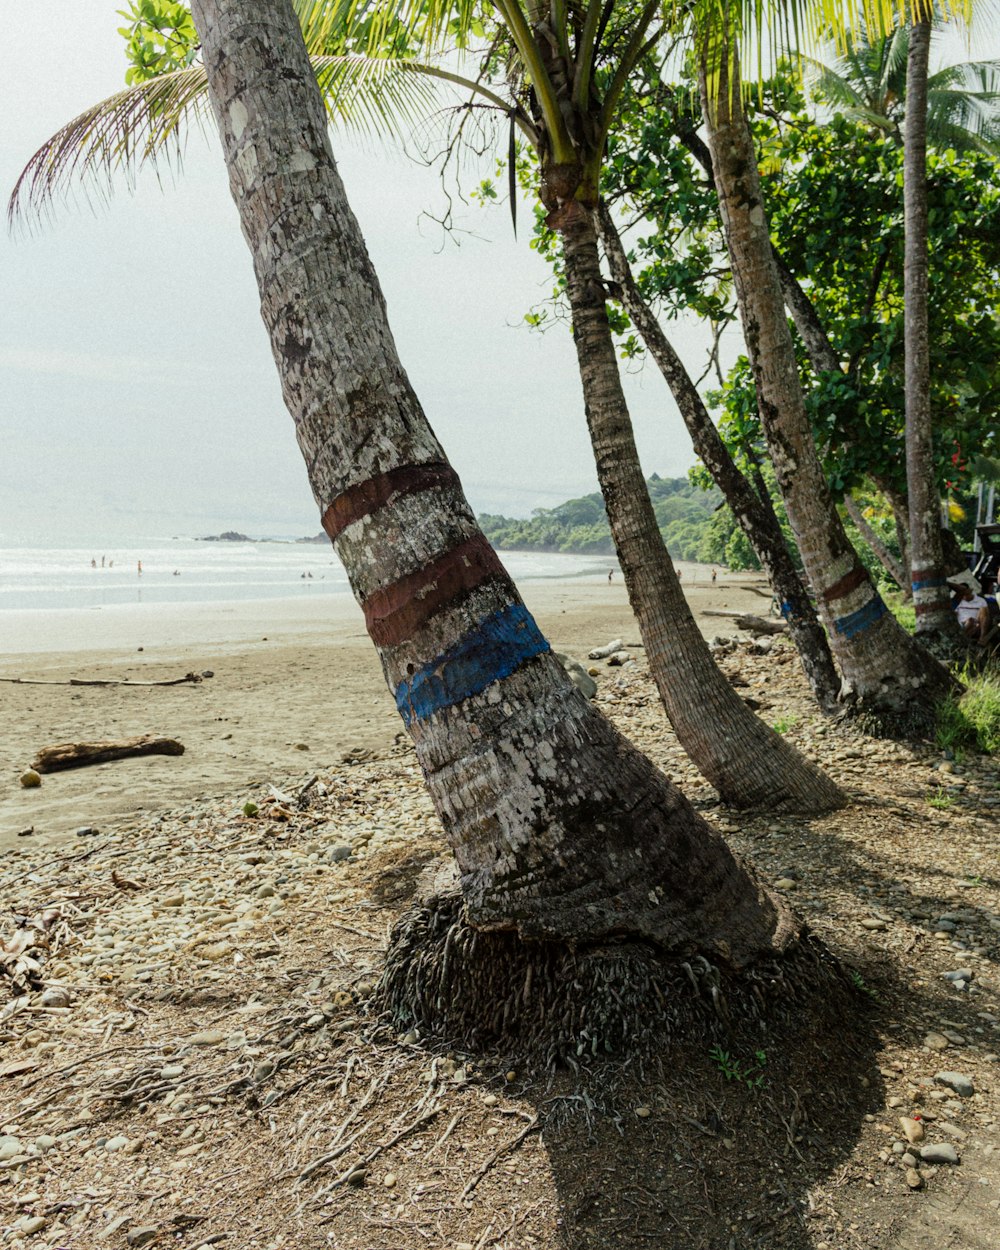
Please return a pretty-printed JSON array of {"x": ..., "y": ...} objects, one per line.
[
  {"x": 981, "y": 78},
  {"x": 117, "y": 137},
  {"x": 376, "y": 97}
]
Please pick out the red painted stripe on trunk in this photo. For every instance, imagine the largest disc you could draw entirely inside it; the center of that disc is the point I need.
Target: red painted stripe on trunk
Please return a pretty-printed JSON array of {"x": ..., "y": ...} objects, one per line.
[
  {"x": 922, "y": 609},
  {"x": 395, "y": 613},
  {"x": 364, "y": 498},
  {"x": 850, "y": 581}
]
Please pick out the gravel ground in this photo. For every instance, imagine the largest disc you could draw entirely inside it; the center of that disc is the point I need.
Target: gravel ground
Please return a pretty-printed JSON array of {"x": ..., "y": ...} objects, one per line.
[{"x": 189, "y": 1059}]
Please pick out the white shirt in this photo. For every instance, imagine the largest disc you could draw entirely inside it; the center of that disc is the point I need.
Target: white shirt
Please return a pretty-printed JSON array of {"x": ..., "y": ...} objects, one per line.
[{"x": 969, "y": 609}]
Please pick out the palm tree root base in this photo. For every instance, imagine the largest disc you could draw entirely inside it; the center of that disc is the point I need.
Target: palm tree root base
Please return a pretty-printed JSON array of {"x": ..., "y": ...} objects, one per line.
[
  {"x": 554, "y": 1005},
  {"x": 902, "y": 720}
]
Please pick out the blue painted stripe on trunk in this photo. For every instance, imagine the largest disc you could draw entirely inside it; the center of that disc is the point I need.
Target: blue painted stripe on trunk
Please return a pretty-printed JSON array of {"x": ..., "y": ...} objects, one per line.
[
  {"x": 494, "y": 649},
  {"x": 857, "y": 622},
  {"x": 928, "y": 583}
]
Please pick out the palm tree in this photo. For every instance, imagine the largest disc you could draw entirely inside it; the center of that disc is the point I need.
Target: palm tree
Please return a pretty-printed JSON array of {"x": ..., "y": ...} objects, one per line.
[
  {"x": 560, "y": 828},
  {"x": 959, "y": 107},
  {"x": 567, "y": 82},
  {"x": 753, "y": 511},
  {"x": 892, "y": 678},
  {"x": 936, "y": 622}
]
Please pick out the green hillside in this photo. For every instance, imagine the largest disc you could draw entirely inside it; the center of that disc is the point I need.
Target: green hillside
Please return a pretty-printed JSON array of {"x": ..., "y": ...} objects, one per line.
[{"x": 686, "y": 515}]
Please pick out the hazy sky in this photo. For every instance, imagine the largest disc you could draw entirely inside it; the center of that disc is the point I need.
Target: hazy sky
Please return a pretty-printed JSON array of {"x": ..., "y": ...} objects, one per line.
[{"x": 137, "y": 392}]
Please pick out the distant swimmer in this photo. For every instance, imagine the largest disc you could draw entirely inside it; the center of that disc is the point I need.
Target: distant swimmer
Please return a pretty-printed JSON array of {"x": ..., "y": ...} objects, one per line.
[
  {"x": 138, "y": 565},
  {"x": 715, "y": 574},
  {"x": 177, "y": 572},
  {"x": 611, "y": 574},
  {"x": 102, "y": 562},
  {"x": 93, "y": 564}
]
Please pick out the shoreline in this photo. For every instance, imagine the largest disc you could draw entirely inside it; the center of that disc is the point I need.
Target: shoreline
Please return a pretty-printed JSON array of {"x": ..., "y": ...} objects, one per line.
[{"x": 296, "y": 687}]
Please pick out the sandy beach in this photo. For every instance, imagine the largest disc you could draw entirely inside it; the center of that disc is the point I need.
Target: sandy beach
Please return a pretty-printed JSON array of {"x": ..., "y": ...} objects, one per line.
[{"x": 296, "y": 687}]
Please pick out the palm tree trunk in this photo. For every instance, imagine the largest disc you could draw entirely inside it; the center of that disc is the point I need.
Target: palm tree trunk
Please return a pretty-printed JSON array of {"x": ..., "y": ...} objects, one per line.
[
  {"x": 882, "y": 552},
  {"x": 560, "y": 828},
  {"x": 931, "y": 600},
  {"x": 748, "y": 763},
  {"x": 818, "y": 347},
  {"x": 891, "y": 677},
  {"x": 752, "y": 513}
]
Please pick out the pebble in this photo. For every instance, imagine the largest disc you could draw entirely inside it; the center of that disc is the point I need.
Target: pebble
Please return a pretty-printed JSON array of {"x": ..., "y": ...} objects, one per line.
[
  {"x": 55, "y": 996},
  {"x": 909, "y": 1160},
  {"x": 939, "y": 1152},
  {"x": 962, "y": 1085},
  {"x": 871, "y": 922},
  {"x": 913, "y": 1130},
  {"x": 141, "y": 1236},
  {"x": 960, "y": 974},
  {"x": 31, "y": 1224},
  {"x": 914, "y": 1179},
  {"x": 643, "y": 1113},
  {"x": 45, "y": 1143},
  {"x": 30, "y": 779},
  {"x": 389, "y": 1180},
  {"x": 9, "y": 1148},
  {"x": 210, "y": 1037},
  {"x": 116, "y": 1143},
  {"x": 784, "y": 883},
  {"x": 936, "y": 1041}
]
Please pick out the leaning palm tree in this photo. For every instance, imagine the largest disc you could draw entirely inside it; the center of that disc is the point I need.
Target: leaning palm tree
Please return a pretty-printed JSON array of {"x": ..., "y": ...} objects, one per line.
[
  {"x": 564, "y": 89},
  {"x": 893, "y": 679},
  {"x": 563, "y": 832}
]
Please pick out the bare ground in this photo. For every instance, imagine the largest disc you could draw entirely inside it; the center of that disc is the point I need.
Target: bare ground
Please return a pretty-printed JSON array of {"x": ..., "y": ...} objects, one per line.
[{"x": 220, "y": 1077}]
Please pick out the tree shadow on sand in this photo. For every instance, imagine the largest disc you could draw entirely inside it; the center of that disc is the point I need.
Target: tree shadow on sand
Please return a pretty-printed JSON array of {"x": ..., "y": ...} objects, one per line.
[{"x": 680, "y": 1105}]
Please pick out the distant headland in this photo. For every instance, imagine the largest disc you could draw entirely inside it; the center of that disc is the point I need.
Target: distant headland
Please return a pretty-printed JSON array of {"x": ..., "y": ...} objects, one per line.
[{"x": 234, "y": 536}]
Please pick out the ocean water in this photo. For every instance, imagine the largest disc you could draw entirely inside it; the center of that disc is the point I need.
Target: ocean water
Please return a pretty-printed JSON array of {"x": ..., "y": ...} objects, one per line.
[{"x": 184, "y": 570}]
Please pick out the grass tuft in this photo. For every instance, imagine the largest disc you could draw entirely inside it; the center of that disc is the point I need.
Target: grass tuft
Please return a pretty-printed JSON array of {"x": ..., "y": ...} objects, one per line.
[{"x": 971, "y": 721}]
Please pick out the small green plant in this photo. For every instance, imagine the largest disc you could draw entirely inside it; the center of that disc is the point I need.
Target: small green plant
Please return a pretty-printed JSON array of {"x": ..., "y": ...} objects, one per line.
[
  {"x": 941, "y": 801},
  {"x": 250, "y": 808},
  {"x": 862, "y": 986},
  {"x": 732, "y": 1069},
  {"x": 784, "y": 723}
]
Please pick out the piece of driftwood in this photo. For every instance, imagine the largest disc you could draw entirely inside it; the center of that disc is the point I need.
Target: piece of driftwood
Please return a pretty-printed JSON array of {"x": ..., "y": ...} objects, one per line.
[
  {"x": 752, "y": 624},
  {"x": 77, "y": 754},
  {"x": 100, "y": 681},
  {"x": 600, "y": 653}
]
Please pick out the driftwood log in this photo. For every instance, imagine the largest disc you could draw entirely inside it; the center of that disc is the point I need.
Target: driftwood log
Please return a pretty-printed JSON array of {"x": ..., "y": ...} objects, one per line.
[
  {"x": 78, "y": 754},
  {"x": 752, "y": 624},
  {"x": 100, "y": 681}
]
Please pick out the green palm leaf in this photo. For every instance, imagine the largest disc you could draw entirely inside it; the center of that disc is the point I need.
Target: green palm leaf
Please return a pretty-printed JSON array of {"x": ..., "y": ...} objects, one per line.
[
  {"x": 147, "y": 124},
  {"x": 135, "y": 127}
]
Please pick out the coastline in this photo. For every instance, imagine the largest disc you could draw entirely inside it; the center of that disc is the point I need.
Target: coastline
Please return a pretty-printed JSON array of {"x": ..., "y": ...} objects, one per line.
[{"x": 296, "y": 687}]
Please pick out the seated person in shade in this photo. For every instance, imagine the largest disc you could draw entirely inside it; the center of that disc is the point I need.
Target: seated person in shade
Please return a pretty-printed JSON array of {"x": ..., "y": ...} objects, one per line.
[{"x": 973, "y": 613}]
